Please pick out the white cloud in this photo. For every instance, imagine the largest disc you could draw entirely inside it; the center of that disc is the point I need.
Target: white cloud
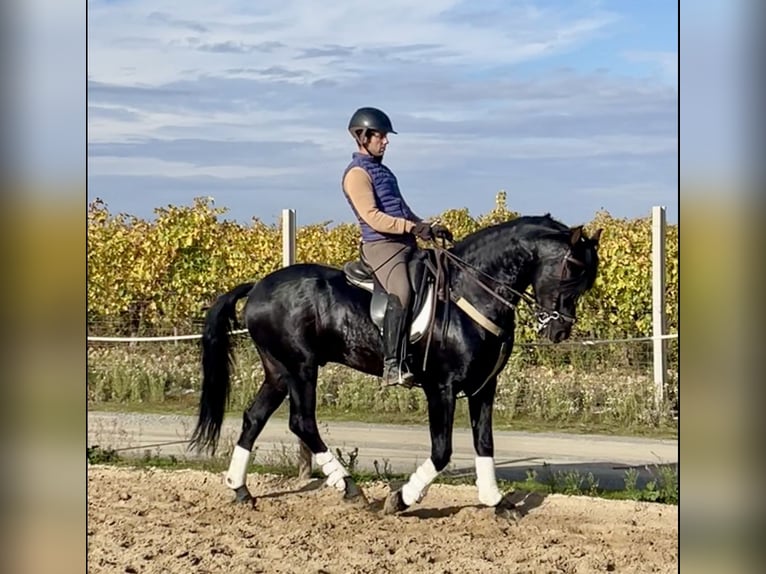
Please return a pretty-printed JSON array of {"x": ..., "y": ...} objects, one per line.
[
  {"x": 281, "y": 79},
  {"x": 278, "y": 34},
  {"x": 653, "y": 190},
  {"x": 665, "y": 63},
  {"x": 143, "y": 166},
  {"x": 237, "y": 126}
]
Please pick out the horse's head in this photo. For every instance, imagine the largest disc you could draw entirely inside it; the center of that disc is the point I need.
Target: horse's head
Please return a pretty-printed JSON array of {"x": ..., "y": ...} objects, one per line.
[{"x": 568, "y": 262}]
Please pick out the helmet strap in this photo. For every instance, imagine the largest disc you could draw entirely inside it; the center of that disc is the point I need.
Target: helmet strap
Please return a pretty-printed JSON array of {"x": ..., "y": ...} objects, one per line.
[
  {"x": 360, "y": 140},
  {"x": 360, "y": 136}
]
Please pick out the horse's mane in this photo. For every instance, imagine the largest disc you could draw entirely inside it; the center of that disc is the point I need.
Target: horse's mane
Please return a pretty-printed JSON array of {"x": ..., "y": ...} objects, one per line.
[
  {"x": 521, "y": 229},
  {"x": 501, "y": 249}
]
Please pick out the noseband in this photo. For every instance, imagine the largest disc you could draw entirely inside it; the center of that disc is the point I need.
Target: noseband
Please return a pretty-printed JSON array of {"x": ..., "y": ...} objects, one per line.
[{"x": 544, "y": 315}]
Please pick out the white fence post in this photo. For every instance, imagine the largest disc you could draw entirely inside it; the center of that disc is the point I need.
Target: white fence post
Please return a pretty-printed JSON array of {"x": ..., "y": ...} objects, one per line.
[
  {"x": 288, "y": 237},
  {"x": 658, "y": 304},
  {"x": 288, "y": 258}
]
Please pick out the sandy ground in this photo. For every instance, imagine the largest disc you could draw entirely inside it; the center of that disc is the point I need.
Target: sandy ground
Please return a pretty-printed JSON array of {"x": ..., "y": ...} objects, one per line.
[{"x": 151, "y": 520}]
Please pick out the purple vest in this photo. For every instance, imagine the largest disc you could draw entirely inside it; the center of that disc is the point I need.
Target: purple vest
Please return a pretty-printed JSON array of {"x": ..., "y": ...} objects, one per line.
[{"x": 388, "y": 198}]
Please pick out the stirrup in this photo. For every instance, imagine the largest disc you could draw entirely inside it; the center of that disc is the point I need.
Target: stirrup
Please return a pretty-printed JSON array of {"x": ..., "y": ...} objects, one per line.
[
  {"x": 404, "y": 379},
  {"x": 408, "y": 380}
]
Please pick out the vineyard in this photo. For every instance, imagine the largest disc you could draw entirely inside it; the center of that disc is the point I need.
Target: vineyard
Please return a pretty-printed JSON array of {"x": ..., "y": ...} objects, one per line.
[
  {"x": 157, "y": 277},
  {"x": 146, "y": 276}
]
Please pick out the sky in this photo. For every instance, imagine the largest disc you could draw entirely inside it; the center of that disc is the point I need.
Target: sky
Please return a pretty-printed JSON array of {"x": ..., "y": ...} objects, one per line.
[{"x": 569, "y": 106}]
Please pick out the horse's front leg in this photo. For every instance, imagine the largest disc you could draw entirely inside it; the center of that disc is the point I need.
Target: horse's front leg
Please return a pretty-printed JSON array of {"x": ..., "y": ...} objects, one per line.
[
  {"x": 480, "y": 410},
  {"x": 441, "y": 415}
]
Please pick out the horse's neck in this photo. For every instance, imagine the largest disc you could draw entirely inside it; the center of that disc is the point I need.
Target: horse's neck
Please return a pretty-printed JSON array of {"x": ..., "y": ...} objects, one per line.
[{"x": 512, "y": 274}]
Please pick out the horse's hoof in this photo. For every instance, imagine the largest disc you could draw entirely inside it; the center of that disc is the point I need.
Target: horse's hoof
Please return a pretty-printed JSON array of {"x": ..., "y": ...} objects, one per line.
[
  {"x": 243, "y": 496},
  {"x": 515, "y": 505},
  {"x": 508, "y": 513},
  {"x": 394, "y": 503},
  {"x": 352, "y": 492}
]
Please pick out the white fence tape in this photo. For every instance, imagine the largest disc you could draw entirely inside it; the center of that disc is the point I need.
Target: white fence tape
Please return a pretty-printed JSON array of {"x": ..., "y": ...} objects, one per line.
[
  {"x": 96, "y": 339},
  {"x": 152, "y": 339},
  {"x": 591, "y": 342}
]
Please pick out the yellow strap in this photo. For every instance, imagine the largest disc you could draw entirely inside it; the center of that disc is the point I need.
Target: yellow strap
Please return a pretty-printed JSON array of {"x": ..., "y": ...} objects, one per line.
[{"x": 474, "y": 314}]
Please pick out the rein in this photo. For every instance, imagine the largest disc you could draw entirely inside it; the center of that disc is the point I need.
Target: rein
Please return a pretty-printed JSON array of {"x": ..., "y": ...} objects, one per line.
[
  {"x": 444, "y": 257},
  {"x": 543, "y": 314}
]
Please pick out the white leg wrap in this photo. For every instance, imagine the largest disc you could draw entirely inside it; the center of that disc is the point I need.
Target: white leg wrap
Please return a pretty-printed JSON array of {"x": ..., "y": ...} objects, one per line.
[
  {"x": 420, "y": 480},
  {"x": 237, "y": 473},
  {"x": 332, "y": 469},
  {"x": 486, "y": 482}
]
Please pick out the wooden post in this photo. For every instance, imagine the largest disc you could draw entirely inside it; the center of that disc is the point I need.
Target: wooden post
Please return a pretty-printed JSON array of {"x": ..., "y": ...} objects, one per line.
[
  {"x": 288, "y": 237},
  {"x": 658, "y": 304},
  {"x": 288, "y": 258}
]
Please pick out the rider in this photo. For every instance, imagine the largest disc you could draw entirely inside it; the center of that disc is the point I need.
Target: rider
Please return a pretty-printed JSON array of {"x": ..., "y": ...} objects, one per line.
[{"x": 389, "y": 228}]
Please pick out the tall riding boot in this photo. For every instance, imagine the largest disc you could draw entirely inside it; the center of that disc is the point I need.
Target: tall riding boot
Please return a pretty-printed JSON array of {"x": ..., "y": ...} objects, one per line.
[{"x": 395, "y": 338}]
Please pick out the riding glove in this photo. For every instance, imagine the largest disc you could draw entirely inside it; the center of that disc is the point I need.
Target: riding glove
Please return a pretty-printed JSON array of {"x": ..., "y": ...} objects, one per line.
[
  {"x": 441, "y": 232},
  {"x": 423, "y": 230}
]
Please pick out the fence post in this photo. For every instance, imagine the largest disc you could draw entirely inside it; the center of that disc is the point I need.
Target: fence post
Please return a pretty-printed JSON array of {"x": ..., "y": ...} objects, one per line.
[
  {"x": 658, "y": 304},
  {"x": 288, "y": 258},
  {"x": 288, "y": 237}
]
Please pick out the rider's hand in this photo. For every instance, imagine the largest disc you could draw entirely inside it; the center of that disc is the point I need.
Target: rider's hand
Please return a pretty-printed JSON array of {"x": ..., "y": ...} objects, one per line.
[
  {"x": 423, "y": 230},
  {"x": 441, "y": 232}
]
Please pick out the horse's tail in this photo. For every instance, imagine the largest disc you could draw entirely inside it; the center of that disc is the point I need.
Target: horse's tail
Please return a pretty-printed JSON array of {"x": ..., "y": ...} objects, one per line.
[{"x": 216, "y": 364}]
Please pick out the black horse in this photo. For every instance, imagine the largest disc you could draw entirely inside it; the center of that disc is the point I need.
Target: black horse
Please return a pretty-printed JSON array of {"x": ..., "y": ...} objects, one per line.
[{"x": 304, "y": 316}]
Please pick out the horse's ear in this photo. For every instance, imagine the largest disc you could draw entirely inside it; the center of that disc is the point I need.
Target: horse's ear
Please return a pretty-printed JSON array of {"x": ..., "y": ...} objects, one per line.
[
  {"x": 596, "y": 236},
  {"x": 576, "y": 235}
]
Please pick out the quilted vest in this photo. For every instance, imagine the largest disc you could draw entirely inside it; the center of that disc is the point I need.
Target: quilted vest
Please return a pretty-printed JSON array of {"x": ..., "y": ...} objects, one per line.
[{"x": 388, "y": 198}]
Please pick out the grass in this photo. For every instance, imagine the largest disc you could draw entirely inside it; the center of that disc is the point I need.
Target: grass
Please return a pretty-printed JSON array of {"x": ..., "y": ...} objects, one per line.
[
  {"x": 661, "y": 488},
  {"x": 583, "y": 391},
  {"x": 189, "y": 406},
  {"x": 599, "y": 392}
]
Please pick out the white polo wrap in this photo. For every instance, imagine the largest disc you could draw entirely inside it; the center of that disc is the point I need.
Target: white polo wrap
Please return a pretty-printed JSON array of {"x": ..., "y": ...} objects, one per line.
[
  {"x": 332, "y": 469},
  {"x": 418, "y": 484},
  {"x": 235, "y": 477},
  {"x": 486, "y": 482}
]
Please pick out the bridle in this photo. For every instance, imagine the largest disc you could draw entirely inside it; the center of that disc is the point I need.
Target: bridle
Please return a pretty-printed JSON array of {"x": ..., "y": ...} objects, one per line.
[{"x": 544, "y": 315}]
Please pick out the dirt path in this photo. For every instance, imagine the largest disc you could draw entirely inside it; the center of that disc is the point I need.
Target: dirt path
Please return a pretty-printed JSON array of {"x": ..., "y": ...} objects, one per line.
[{"x": 152, "y": 521}]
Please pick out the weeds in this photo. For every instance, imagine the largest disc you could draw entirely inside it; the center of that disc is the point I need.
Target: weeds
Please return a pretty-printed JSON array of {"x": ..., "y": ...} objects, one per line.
[
  {"x": 386, "y": 474},
  {"x": 574, "y": 483},
  {"x": 349, "y": 460},
  {"x": 662, "y": 488},
  {"x": 596, "y": 396},
  {"x": 98, "y": 455}
]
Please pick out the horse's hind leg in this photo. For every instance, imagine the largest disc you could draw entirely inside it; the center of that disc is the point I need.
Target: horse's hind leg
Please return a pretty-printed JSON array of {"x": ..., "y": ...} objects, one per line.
[
  {"x": 304, "y": 425},
  {"x": 271, "y": 394}
]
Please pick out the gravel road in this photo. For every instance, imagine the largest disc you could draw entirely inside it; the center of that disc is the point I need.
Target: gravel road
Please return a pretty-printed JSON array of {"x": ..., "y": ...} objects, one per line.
[{"x": 403, "y": 446}]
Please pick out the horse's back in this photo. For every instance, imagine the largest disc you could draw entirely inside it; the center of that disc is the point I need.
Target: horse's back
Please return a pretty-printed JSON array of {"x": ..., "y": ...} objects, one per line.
[
  {"x": 299, "y": 279},
  {"x": 311, "y": 308}
]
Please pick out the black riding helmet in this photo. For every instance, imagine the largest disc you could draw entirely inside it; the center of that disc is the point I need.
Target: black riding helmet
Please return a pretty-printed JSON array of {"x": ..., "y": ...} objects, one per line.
[{"x": 369, "y": 119}]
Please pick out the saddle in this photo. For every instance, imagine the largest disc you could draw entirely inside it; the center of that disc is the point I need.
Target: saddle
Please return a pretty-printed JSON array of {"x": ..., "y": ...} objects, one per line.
[{"x": 422, "y": 280}]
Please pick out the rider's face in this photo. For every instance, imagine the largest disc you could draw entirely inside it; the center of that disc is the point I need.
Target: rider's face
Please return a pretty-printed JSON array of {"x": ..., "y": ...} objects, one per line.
[{"x": 376, "y": 143}]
